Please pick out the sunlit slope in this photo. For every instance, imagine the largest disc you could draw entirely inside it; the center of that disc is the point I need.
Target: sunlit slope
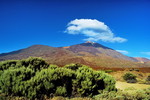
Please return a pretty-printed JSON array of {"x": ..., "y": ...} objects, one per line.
[{"x": 89, "y": 53}]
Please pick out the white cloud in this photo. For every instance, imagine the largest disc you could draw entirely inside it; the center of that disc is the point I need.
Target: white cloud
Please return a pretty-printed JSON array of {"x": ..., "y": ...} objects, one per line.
[
  {"x": 123, "y": 51},
  {"x": 93, "y": 29},
  {"x": 146, "y": 53}
]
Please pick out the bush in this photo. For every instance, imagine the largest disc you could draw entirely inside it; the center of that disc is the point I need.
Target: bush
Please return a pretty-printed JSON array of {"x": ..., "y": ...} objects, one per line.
[
  {"x": 14, "y": 74},
  {"x": 12, "y": 81},
  {"x": 123, "y": 95},
  {"x": 34, "y": 63},
  {"x": 137, "y": 95},
  {"x": 130, "y": 78},
  {"x": 132, "y": 81},
  {"x": 35, "y": 79},
  {"x": 6, "y": 64},
  {"x": 148, "y": 79},
  {"x": 112, "y": 95},
  {"x": 53, "y": 66},
  {"x": 88, "y": 82},
  {"x": 73, "y": 66},
  {"x": 47, "y": 81}
]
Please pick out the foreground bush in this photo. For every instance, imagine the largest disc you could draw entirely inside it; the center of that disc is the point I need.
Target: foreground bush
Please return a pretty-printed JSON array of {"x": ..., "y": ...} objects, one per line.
[
  {"x": 130, "y": 78},
  {"x": 12, "y": 81},
  {"x": 104, "y": 95},
  {"x": 50, "y": 82},
  {"x": 34, "y": 78},
  {"x": 89, "y": 82},
  {"x": 123, "y": 95}
]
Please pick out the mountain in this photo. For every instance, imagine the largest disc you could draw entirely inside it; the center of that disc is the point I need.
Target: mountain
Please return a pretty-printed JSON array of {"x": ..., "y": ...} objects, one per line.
[
  {"x": 141, "y": 59},
  {"x": 35, "y": 51},
  {"x": 88, "y": 53},
  {"x": 97, "y": 49}
]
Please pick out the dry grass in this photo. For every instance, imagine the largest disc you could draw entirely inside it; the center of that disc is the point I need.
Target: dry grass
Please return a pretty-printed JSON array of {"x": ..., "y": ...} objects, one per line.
[{"x": 130, "y": 86}]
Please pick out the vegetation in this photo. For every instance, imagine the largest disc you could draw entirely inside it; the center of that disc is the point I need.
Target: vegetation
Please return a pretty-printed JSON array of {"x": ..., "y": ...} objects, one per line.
[
  {"x": 123, "y": 95},
  {"x": 104, "y": 95},
  {"x": 34, "y": 78},
  {"x": 148, "y": 79},
  {"x": 88, "y": 82},
  {"x": 130, "y": 78},
  {"x": 108, "y": 71},
  {"x": 130, "y": 87},
  {"x": 97, "y": 58}
]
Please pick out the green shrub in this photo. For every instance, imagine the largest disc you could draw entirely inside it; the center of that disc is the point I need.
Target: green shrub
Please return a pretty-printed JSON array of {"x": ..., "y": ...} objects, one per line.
[
  {"x": 12, "y": 81},
  {"x": 130, "y": 78},
  {"x": 123, "y": 95},
  {"x": 73, "y": 66},
  {"x": 7, "y": 64},
  {"x": 35, "y": 63},
  {"x": 88, "y": 82},
  {"x": 109, "y": 95},
  {"x": 47, "y": 81},
  {"x": 34, "y": 78},
  {"x": 61, "y": 91},
  {"x": 53, "y": 66},
  {"x": 137, "y": 95}
]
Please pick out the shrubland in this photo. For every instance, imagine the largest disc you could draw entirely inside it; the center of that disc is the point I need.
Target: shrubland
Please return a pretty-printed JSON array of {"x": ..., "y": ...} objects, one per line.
[{"x": 33, "y": 78}]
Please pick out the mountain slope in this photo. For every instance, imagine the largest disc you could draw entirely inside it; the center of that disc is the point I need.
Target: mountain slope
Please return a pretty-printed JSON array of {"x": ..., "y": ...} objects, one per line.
[
  {"x": 52, "y": 55},
  {"x": 35, "y": 51},
  {"x": 141, "y": 59},
  {"x": 89, "y": 53},
  {"x": 97, "y": 49}
]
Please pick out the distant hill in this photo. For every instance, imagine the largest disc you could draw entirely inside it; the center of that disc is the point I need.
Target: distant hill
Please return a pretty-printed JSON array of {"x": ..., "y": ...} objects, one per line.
[
  {"x": 88, "y": 53},
  {"x": 141, "y": 59}
]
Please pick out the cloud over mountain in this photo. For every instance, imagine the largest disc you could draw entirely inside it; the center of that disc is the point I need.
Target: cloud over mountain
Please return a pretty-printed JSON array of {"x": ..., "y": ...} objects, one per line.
[{"x": 93, "y": 29}]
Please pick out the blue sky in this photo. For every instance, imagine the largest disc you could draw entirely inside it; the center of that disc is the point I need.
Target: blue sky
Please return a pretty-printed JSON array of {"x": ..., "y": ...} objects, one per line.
[{"x": 27, "y": 22}]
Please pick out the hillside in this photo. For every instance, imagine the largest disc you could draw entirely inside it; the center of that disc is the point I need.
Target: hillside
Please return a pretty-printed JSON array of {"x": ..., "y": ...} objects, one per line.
[
  {"x": 89, "y": 53},
  {"x": 97, "y": 49},
  {"x": 141, "y": 59},
  {"x": 35, "y": 51}
]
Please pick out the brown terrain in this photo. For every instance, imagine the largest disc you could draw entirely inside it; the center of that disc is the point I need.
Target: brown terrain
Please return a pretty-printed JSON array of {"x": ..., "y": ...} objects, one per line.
[
  {"x": 142, "y": 60},
  {"x": 92, "y": 54}
]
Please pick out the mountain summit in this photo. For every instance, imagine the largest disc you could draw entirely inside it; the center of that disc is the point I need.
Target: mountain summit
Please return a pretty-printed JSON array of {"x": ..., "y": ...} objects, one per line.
[
  {"x": 93, "y": 44},
  {"x": 95, "y": 49},
  {"x": 88, "y": 53}
]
